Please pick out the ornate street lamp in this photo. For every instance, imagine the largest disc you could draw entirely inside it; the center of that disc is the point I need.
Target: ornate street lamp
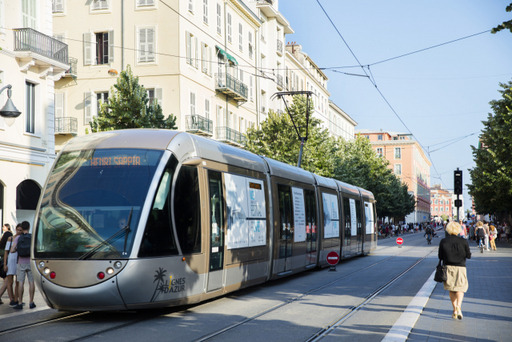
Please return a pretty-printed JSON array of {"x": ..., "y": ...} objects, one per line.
[{"x": 9, "y": 110}]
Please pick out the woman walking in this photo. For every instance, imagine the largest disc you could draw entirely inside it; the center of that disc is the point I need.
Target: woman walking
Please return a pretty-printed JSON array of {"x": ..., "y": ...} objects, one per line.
[{"x": 453, "y": 251}]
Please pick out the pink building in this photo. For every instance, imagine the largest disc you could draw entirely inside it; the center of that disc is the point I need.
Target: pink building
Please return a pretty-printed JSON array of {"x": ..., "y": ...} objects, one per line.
[
  {"x": 410, "y": 163},
  {"x": 441, "y": 202}
]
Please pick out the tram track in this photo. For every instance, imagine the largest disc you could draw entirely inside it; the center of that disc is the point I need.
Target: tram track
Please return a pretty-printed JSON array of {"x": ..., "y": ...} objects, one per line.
[
  {"x": 338, "y": 321},
  {"x": 126, "y": 321}
]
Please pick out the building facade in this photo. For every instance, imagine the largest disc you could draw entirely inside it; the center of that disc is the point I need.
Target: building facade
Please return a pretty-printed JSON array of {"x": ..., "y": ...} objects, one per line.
[
  {"x": 410, "y": 163},
  {"x": 30, "y": 63},
  {"x": 441, "y": 203}
]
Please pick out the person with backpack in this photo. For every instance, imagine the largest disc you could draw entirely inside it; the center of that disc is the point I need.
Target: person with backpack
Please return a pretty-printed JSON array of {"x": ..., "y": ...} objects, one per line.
[{"x": 22, "y": 245}]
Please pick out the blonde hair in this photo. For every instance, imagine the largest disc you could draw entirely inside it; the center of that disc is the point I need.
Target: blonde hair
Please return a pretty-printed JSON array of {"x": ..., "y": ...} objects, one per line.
[
  {"x": 453, "y": 228},
  {"x": 479, "y": 224}
]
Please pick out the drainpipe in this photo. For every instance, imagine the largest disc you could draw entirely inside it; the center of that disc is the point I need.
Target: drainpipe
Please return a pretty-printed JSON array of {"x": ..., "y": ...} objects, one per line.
[{"x": 122, "y": 35}]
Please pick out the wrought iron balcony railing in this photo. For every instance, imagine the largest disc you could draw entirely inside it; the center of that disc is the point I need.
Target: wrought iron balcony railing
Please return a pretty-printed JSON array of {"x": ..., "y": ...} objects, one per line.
[
  {"x": 28, "y": 39},
  {"x": 230, "y": 135},
  {"x": 199, "y": 124},
  {"x": 66, "y": 125},
  {"x": 231, "y": 86}
]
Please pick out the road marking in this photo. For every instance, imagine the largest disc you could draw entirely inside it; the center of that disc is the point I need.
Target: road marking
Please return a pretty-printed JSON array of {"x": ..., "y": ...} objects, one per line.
[{"x": 403, "y": 326}]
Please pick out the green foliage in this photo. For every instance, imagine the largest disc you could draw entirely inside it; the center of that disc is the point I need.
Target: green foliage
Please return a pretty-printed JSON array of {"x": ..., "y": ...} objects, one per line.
[
  {"x": 353, "y": 162},
  {"x": 506, "y": 25},
  {"x": 277, "y": 139},
  {"x": 129, "y": 107},
  {"x": 491, "y": 178}
]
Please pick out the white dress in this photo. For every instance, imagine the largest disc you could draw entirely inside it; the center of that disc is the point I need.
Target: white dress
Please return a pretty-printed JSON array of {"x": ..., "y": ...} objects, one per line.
[{"x": 12, "y": 259}]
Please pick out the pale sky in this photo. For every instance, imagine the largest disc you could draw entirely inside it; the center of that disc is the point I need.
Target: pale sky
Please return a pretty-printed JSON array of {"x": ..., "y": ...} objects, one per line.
[{"x": 440, "y": 95}]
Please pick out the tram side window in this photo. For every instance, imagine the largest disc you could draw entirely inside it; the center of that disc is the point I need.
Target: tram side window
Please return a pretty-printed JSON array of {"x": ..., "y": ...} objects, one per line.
[
  {"x": 187, "y": 210},
  {"x": 346, "y": 212},
  {"x": 359, "y": 221},
  {"x": 158, "y": 238},
  {"x": 285, "y": 221}
]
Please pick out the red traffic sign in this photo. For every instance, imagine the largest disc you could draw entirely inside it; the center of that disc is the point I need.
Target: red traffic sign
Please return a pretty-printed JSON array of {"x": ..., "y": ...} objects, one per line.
[
  {"x": 399, "y": 240},
  {"x": 333, "y": 258}
]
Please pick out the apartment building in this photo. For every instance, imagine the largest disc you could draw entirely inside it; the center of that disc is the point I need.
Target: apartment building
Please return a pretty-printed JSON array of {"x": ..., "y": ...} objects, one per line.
[
  {"x": 211, "y": 63},
  {"x": 339, "y": 123},
  {"x": 441, "y": 203},
  {"x": 31, "y": 61},
  {"x": 410, "y": 163}
]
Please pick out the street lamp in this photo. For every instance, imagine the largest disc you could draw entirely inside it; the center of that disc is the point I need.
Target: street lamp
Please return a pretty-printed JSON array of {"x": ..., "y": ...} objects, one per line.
[{"x": 9, "y": 111}]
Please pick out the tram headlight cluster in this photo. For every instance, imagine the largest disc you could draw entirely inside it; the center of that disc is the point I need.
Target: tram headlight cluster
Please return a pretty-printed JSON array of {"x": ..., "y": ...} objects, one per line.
[{"x": 100, "y": 275}]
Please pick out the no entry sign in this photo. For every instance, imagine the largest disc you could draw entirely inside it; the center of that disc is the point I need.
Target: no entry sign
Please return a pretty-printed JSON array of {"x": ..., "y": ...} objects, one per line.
[
  {"x": 399, "y": 241},
  {"x": 333, "y": 258}
]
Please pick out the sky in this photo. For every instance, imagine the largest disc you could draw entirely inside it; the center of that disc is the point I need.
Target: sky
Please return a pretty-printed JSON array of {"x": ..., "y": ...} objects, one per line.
[{"x": 441, "y": 94}]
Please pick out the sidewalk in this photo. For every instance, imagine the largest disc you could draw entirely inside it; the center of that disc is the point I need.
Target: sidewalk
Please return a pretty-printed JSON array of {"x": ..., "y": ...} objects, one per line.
[{"x": 487, "y": 306}]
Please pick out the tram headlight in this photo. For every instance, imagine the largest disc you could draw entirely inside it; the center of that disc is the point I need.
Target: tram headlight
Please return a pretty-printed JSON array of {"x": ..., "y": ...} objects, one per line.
[
  {"x": 46, "y": 271},
  {"x": 110, "y": 271},
  {"x": 118, "y": 265},
  {"x": 41, "y": 264}
]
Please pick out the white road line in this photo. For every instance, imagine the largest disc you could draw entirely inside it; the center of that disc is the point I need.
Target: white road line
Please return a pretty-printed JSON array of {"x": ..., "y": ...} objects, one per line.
[{"x": 403, "y": 326}]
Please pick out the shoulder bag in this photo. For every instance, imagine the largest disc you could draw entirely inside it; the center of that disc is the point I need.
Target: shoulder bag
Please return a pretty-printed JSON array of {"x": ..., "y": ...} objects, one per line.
[{"x": 440, "y": 275}]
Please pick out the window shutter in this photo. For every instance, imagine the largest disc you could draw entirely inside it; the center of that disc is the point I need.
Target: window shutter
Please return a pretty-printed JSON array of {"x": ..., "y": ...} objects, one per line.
[
  {"x": 196, "y": 55},
  {"x": 59, "y": 105},
  {"x": 111, "y": 46},
  {"x": 150, "y": 47},
  {"x": 158, "y": 95},
  {"x": 87, "y": 38},
  {"x": 87, "y": 107},
  {"x": 188, "y": 39}
]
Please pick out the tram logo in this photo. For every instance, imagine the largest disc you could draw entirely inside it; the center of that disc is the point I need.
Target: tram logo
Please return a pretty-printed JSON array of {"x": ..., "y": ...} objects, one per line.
[{"x": 164, "y": 285}]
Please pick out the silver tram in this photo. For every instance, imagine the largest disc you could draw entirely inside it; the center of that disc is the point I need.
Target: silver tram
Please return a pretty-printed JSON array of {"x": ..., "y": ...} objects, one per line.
[{"x": 145, "y": 218}]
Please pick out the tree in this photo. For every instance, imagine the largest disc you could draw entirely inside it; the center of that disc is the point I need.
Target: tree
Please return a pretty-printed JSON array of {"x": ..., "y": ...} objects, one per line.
[
  {"x": 358, "y": 164},
  {"x": 276, "y": 138},
  {"x": 129, "y": 107},
  {"x": 491, "y": 178},
  {"x": 506, "y": 25}
]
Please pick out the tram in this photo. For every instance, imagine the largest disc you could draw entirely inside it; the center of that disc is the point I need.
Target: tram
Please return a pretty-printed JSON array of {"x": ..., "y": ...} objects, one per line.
[{"x": 146, "y": 218}]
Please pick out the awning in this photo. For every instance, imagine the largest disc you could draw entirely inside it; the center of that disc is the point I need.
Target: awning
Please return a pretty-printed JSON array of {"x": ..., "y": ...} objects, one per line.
[{"x": 225, "y": 54}]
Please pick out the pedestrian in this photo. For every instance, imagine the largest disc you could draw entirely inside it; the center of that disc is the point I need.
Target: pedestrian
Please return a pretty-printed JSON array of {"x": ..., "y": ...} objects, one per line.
[
  {"x": 453, "y": 251},
  {"x": 10, "y": 261},
  {"x": 428, "y": 234},
  {"x": 493, "y": 234},
  {"x": 480, "y": 234},
  {"x": 6, "y": 234},
  {"x": 486, "y": 230},
  {"x": 24, "y": 266}
]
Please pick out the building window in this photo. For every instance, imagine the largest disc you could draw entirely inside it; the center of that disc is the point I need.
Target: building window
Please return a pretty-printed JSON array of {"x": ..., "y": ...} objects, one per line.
[
  {"x": 240, "y": 37},
  {"x": 398, "y": 153},
  {"x": 191, "y": 6},
  {"x": 206, "y": 59},
  {"x": 398, "y": 169},
  {"x": 230, "y": 35},
  {"x": 207, "y": 108},
  {"x": 101, "y": 98},
  {"x": 380, "y": 152},
  {"x": 146, "y": 45},
  {"x": 192, "y": 103},
  {"x": 154, "y": 96},
  {"x": 379, "y": 137},
  {"x": 145, "y": 3},
  {"x": 102, "y": 48},
  {"x": 250, "y": 47},
  {"x": 30, "y": 108},
  {"x": 192, "y": 57},
  {"x": 219, "y": 19},
  {"x": 205, "y": 11},
  {"x": 58, "y": 6},
  {"x": 29, "y": 13},
  {"x": 100, "y": 4}
]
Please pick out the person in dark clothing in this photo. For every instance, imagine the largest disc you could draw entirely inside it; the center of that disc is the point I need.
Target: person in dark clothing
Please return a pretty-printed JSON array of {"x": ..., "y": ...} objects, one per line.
[{"x": 453, "y": 251}]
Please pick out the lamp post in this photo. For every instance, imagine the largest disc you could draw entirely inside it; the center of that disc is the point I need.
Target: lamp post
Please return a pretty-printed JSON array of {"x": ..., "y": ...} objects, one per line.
[{"x": 9, "y": 111}]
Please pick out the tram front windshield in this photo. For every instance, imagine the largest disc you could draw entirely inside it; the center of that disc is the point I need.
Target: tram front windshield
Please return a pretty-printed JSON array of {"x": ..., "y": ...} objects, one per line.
[{"x": 92, "y": 203}]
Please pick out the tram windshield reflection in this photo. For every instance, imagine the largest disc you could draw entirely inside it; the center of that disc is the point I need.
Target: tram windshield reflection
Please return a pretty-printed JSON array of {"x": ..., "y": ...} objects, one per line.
[{"x": 92, "y": 203}]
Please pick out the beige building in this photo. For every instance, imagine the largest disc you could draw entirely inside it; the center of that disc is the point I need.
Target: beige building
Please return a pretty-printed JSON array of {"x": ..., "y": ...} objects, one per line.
[
  {"x": 213, "y": 64},
  {"x": 30, "y": 62},
  {"x": 410, "y": 163}
]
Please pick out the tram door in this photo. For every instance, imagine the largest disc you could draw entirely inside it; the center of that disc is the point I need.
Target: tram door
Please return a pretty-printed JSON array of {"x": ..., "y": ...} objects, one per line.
[
  {"x": 285, "y": 231},
  {"x": 216, "y": 267}
]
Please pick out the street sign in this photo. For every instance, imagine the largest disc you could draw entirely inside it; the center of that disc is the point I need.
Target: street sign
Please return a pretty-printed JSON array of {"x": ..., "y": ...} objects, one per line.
[
  {"x": 399, "y": 241},
  {"x": 333, "y": 258}
]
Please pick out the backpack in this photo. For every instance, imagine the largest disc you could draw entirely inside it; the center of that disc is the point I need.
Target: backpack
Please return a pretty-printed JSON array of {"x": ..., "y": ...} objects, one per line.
[{"x": 23, "y": 245}]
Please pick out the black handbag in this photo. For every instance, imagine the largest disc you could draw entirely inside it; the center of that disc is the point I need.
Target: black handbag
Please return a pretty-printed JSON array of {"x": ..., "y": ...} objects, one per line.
[{"x": 440, "y": 275}]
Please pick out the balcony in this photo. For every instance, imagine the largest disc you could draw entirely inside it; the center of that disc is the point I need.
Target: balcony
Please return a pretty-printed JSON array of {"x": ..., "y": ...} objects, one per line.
[
  {"x": 230, "y": 136},
  {"x": 32, "y": 47},
  {"x": 198, "y": 124},
  {"x": 72, "y": 71},
  {"x": 231, "y": 86},
  {"x": 66, "y": 125}
]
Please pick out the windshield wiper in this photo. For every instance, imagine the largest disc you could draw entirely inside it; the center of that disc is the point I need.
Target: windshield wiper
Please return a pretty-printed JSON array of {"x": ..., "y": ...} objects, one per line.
[{"x": 126, "y": 229}]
